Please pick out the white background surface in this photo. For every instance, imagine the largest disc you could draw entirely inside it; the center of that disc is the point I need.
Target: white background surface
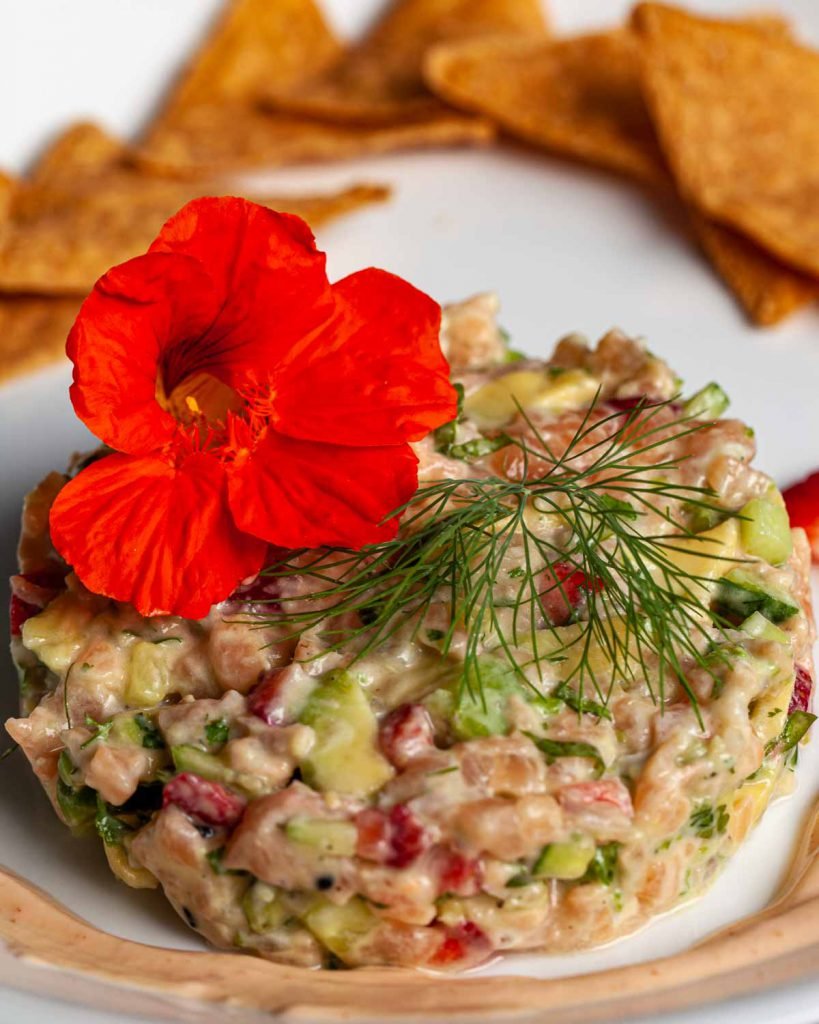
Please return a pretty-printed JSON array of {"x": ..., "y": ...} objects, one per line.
[{"x": 567, "y": 248}]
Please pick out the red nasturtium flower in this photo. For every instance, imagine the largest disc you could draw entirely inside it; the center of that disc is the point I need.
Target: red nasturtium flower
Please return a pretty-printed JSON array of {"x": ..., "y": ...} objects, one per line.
[{"x": 247, "y": 400}]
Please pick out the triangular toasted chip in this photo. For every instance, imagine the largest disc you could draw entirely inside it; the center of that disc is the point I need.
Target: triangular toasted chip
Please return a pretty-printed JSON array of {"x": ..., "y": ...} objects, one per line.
[
  {"x": 75, "y": 217},
  {"x": 767, "y": 289},
  {"x": 213, "y": 119},
  {"x": 6, "y": 191},
  {"x": 737, "y": 112},
  {"x": 581, "y": 97},
  {"x": 33, "y": 330},
  {"x": 578, "y": 96},
  {"x": 381, "y": 78}
]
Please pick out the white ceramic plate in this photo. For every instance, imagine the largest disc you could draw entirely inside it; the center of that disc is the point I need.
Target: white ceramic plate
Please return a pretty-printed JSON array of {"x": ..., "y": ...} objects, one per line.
[{"x": 567, "y": 249}]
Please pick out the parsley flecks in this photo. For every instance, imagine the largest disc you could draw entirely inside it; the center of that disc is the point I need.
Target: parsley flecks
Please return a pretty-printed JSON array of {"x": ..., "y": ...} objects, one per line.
[
  {"x": 552, "y": 749},
  {"x": 582, "y": 705},
  {"x": 708, "y": 821},
  {"x": 110, "y": 829},
  {"x": 151, "y": 736},
  {"x": 603, "y": 865},
  {"x": 217, "y": 732},
  {"x": 101, "y": 730}
]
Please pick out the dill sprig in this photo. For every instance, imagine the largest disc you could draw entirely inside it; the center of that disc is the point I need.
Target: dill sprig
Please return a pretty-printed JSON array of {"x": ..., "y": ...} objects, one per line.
[{"x": 642, "y": 609}]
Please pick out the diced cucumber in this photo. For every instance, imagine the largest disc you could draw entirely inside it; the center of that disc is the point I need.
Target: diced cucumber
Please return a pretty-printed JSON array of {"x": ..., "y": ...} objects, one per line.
[
  {"x": 187, "y": 758},
  {"x": 741, "y": 593},
  {"x": 708, "y": 403},
  {"x": 766, "y": 530},
  {"x": 78, "y": 806},
  {"x": 760, "y": 628},
  {"x": 704, "y": 517},
  {"x": 345, "y": 758},
  {"x": 339, "y": 927},
  {"x": 481, "y": 700},
  {"x": 263, "y": 909},
  {"x": 565, "y": 860},
  {"x": 126, "y": 729},
  {"x": 337, "y": 838}
]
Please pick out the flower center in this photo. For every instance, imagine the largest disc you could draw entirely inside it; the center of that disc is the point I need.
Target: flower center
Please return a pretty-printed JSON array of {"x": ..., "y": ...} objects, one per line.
[{"x": 200, "y": 399}]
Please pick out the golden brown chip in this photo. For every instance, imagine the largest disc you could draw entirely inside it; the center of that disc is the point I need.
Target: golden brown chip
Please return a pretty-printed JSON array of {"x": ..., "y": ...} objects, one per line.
[
  {"x": 767, "y": 289},
  {"x": 33, "y": 332},
  {"x": 381, "y": 78},
  {"x": 578, "y": 96},
  {"x": 737, "y": 112},
  {"x": 213, "y": 119},
  {"x": 67, "y": 226},
  {"x": 218, "y": 138},
  {"x": 581, "y": 97},
  {"x": 6, "y": 191}
]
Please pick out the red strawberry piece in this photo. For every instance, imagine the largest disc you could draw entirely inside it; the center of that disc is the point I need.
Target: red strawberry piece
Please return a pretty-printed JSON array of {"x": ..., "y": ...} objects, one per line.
[
  {"x": 406, "y": 733},
  {"x": 396, "y": 839},
  {"x": 802, "y": 502},
  {"x": 564, "y": 587},
  {"x": 207, "y": 802},
  {"x": 464, "y": 942},
  {"x": 458, "y": 874},
  {"x": 802, "y": 690}
]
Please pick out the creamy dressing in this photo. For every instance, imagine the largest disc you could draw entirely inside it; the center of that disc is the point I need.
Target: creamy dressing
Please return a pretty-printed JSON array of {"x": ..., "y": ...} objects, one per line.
[{"x": 784, "y": 938}]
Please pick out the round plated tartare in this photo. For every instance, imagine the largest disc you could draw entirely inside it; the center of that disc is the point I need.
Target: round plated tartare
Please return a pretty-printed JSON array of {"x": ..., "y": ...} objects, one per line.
[{"x": 535, "y": 726}]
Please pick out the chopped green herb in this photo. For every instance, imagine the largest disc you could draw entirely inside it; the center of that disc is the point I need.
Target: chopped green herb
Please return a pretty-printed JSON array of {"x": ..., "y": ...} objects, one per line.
[
  {"x": 78, "y": 805},
  {"x": 151, "y": 736},
  {"x": 552, "y": 749},
  {"x": 101, "y": 730},
  {"x": 85, "y": 666},
  {"x": 217, "y": 732},
  {"x": 775, "y": 712},
  {"x": 215, "y": 859},
  {"x": 582, "y": 705},
  {"x": 708, "y": 821},
  {"x": 435, "y": 634},
  {"x": 9, "y": 751},
  {"x": 446, "y": 435},
  {"x": 444, "y": 771},
  {"x": 519, "y": 881},
  {"x": 478, "y": 447},
  {"x": 603, "y": 866},
  {"x": 517, "y": 572},
  {"x": 110, "y": 829}
]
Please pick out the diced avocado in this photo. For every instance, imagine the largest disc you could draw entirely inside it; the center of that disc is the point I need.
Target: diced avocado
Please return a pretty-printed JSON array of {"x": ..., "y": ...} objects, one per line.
[
  {"x": 187, "y": 758},
  {"x": 766, "y": 530},
  {"x": 760, "y": 628},
  {"x": 345, "y": 758},
  {"x": 708, "y": 403},
  {"x": 149, "y": 677},
  {"x": 337, "y": 838},
  {"x": 497, "y": 402},
  {"x": 263, "y": 908},
  {"x": 707, "y": 555},
  {"x": 741, "y": 593},
  {"x": 565, "y": 860},
  {"x": 338, "y": 927}
]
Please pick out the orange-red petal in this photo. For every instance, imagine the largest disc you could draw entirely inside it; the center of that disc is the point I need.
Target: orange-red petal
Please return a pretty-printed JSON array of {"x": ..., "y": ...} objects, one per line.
[
  {"x": 228, "y": 289},
  {"x": 160, "y": 536},
  {"x": 309, "y": 493},
  {"x": 268, "y": 276},
  {"x": 374, "y": 375},
  {"x": 134, "y": 312}
]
